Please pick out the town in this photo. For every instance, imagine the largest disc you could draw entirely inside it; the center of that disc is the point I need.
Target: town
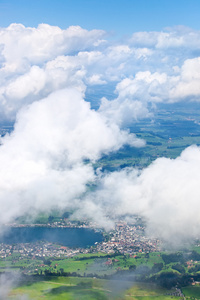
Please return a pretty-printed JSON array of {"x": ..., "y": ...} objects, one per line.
[{"x": 124, "y": 239}]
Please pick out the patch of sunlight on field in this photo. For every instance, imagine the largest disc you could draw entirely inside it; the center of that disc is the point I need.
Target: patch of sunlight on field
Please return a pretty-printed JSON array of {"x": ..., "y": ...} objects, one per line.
[
  {"x": 71, "y": 288},
  {"x": 68, "y": 288},
  {"x": 146, "y": 291}
]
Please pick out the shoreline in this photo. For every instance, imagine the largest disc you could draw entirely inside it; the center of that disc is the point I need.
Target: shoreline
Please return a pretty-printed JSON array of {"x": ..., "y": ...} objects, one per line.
[{"x": 100, "y": 230}]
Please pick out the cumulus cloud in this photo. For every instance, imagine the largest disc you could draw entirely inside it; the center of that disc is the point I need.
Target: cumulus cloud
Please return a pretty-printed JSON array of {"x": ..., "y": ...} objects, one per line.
[
  {"x": 149, "y": 67},
  {"x": 166, "y": 194},
  {"x": 133, "y": 97},
  {"x": 40, "y": 82},
  {"x": 37, "y": 45},
  {"x": 47, "y": 159},
  {"x": 42, "y": 160},
  {"x": 188, "y": 81},
  {"x": 124, "y": 111},
  {"x": 147, "y": 87},
  {"x": 171, "y": 37},
  {"x": 44, "y": 60}
]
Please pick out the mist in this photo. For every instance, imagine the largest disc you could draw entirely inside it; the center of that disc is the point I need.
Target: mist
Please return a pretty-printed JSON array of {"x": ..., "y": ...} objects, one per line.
[{"x": 8, "y": 281}]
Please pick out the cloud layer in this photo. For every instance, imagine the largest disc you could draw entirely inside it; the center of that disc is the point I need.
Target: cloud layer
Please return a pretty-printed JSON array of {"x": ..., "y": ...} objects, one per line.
[
  {"x": 166, "y": 194},
  {"x": 47, "y": 159},
  {"x": 43, "y": 159},
  {"x": 148, "y": 67}
]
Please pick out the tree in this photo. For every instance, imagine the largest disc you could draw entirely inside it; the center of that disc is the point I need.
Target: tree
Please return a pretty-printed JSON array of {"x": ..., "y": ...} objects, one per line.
[
  {"x": 132, "y": 267},
  {"x": 157, "y": 267}
]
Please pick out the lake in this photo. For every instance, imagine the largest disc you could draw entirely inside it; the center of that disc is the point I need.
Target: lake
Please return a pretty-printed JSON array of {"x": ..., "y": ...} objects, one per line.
[{"x": 69, "y": 237}]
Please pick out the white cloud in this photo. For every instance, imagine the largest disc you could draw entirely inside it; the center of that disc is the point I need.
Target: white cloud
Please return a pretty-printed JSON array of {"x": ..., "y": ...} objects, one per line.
[
  {"x": 166, "y": 194},
  {"x": 42, "y": 161},
  {"x": 38, "y": 45},
  {"x": 188, "y": 84},
  {"x": 123, "y": 111},
  {"x": 174, "y": 37},
  {"x": 39, "y": 82},
  {"x": 37, "y": 61},
  {"x": 96, "y": 79},
  {"x": 149, "y": 67},
  {"x": 147, "y": 87}
]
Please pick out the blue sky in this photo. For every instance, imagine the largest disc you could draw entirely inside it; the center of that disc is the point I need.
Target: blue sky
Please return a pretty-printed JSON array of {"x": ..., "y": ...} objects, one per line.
[{"x": 118, "y": 16}]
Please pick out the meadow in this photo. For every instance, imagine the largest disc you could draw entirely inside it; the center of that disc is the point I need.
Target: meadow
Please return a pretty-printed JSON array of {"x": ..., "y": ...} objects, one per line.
[
  {"x": 89, "y": 289},
  {"x": 172, "y": 129},
  {"x": 167, "y": 136},
  {"x": 101, "y": 264},
  {"x": 192, "y": 292}
]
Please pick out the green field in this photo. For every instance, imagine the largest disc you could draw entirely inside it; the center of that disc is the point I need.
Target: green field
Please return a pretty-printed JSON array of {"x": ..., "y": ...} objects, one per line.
[
  {"x": 192, "y": 292},
  {"x": 82, "y": 264},
  {"x": 89, "y": 276},
  {"x": 174, "y": 128},
  {"x": 86, "y": 289},
  {"x": 100, "y": 264}
]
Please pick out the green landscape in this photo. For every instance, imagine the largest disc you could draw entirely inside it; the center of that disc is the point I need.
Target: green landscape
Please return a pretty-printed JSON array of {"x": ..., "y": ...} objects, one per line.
[
  {"x": 98, "y": 275},
  {"x": 158, "y": 275},
  {"x": 173, "y": 129},
  {"x": 99, "y": 150},
  {"x": 92, "y": 288}
]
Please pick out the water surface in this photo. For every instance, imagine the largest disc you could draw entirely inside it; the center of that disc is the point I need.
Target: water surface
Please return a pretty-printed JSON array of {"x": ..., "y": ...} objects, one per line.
[{"x": 69, "y": 237}]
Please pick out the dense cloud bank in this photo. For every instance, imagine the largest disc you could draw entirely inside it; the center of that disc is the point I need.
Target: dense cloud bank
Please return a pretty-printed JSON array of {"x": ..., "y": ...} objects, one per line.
[
  {"x": 148, "y": 67},
  {"x": 42, "y": 160},
  {"x": 166, "y": 194},
  {"x": 47, "y": 160}
]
